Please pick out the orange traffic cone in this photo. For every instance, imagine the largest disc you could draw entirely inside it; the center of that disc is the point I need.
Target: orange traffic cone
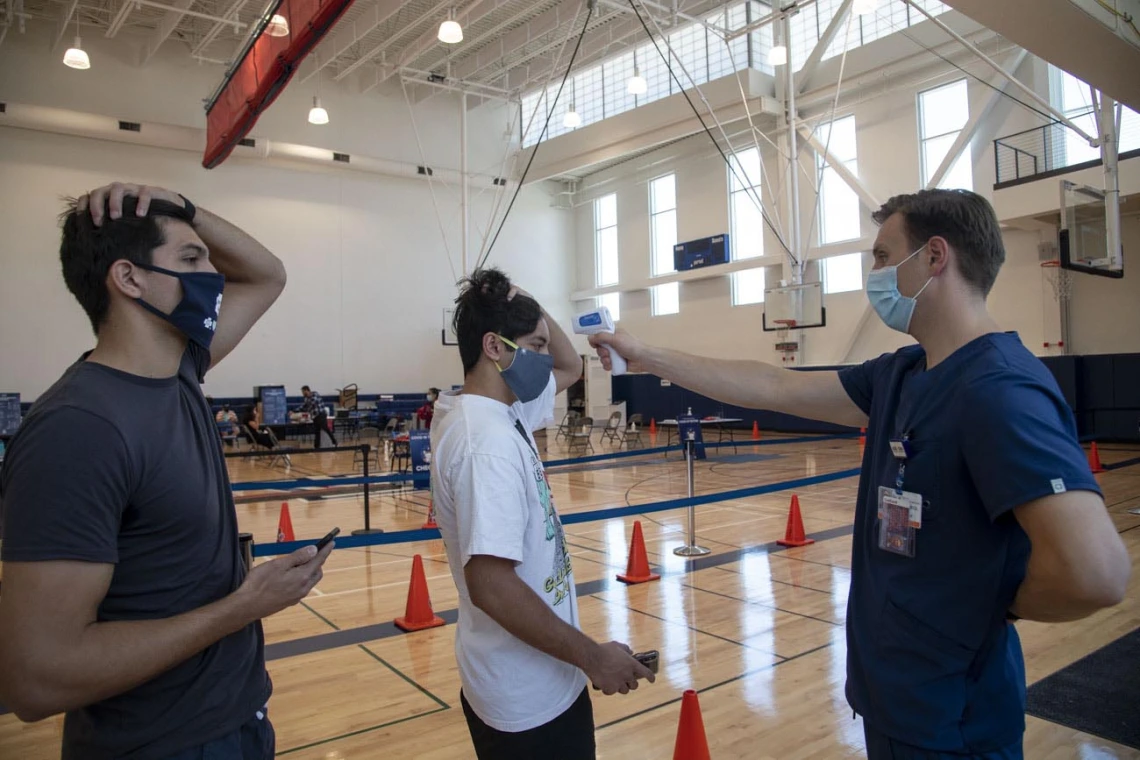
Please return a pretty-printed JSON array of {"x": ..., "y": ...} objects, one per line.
[
  {"x": 431, "y": 517},
  {"x": 1094, "y": 459},
  {"x": 691, "y": 742},
  {"x": 794, "y": 533},
  {"x": 285, "y": 524},
  {"x": 652, "y": 428},
  {"x": 862, "y": 440},
  {"x": 755, "y": 430},
  {"x": 637, "y": 570},
  {"x": 418, "y": 614}
]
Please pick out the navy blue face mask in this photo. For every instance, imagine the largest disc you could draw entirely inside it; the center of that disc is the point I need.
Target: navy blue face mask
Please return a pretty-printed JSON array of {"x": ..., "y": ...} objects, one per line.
[
  {"x": 529, "y": 373},
  {"x": 196, "y": 315}
]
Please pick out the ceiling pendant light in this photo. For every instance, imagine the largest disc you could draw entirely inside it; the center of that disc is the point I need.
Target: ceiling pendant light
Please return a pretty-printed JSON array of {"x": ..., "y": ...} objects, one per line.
[
  {"x": 572, "y": 119},
  {"x": 637, "y": 84},
  {"x": 864, "y": 7},
  {"x": 76, "y": 56},
  {"x": 450, "y": 32},
  {"x": 317, "y": 114},
  {"x": 278, "y": 26},
  {"x": 778, "y": 55}
]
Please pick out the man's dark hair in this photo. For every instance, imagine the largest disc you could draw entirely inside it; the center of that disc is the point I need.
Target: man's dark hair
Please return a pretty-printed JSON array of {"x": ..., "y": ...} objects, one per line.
[
  {"x": 482, "y": 307},
  {"x": 965, "y": 219},
  {"x": 306, "y": 388},
  {"x": 86, "y": 252}
]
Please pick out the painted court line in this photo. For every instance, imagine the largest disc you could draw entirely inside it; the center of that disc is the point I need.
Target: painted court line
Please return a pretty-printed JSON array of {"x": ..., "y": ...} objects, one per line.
[{"x": 321, "y": 642}]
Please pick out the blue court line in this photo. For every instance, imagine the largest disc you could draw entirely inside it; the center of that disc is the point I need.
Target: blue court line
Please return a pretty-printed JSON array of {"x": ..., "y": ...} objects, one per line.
[
  {"x": 429, "y": 534},
  {"x": 285, "y": 485},
  {"x": 1119, "y": 465}
]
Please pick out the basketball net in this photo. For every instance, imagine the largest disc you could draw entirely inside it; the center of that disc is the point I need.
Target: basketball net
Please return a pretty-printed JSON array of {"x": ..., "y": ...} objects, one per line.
[{"x": 1061, "y": 280}]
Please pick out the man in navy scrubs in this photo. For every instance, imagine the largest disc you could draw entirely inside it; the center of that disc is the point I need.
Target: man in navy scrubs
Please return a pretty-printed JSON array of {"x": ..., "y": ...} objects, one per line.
[{"x": 976, "y": 504}]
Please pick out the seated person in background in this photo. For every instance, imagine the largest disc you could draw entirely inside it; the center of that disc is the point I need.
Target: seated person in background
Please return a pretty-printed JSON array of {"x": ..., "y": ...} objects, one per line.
[
  {"x": 252, "y": 423},
  {"x": 427, "y": 411},
  {"x": 227, "y": 423}
]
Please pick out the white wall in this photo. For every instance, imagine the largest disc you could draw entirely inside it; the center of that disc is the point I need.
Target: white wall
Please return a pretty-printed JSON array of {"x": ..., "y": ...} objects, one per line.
[
  {"x": 368, "y": 272},
  {"x": 888, "y": 157}
]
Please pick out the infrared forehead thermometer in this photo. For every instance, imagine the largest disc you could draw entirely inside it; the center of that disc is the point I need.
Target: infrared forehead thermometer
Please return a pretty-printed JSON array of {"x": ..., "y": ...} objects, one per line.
[{"x": 600, "y": 321}]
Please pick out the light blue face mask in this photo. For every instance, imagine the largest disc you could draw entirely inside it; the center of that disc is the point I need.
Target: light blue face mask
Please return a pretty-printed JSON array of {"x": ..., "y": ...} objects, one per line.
[{"x": 895, "y": 309}]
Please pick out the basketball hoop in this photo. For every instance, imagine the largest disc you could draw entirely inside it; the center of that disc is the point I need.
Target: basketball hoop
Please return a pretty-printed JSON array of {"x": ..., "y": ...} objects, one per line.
[
  {"x": 786, "y": 347},
  {"x": 1061, "y": 280}
]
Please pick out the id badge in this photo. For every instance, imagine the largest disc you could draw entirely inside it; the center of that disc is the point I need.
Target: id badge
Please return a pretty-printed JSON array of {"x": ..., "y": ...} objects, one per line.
[{"x": 900, "y": 517}]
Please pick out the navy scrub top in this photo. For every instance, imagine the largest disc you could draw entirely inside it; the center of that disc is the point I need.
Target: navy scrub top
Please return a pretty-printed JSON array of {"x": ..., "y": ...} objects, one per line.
[{"x": 931, "y": 660}]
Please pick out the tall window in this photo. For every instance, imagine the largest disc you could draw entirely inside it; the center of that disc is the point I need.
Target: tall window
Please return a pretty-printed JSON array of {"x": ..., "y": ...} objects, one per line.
[
  {"x": 747, "y": 225},
  {"x": 838, "y": 211},
  {"x": 842, "y": 273},
  {"x": 665, "y": 299},
  {"x": 942, "y": 112},
  {"x": 606, "y": 251},
  {"x": 1071, "y": 97}
]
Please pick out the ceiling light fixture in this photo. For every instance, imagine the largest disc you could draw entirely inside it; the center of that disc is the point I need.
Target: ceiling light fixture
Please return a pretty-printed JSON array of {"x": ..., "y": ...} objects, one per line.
[
  {"x": 317, "y": 114},
  {"x": 778, "y": 55},
  {"x": 278, "y": 26},
  {"x": 637, "y": 84},
  {"x": 76, "y": 56},
  {"x": 572, "y": 119},
  {"x": 450, "y": 32}
]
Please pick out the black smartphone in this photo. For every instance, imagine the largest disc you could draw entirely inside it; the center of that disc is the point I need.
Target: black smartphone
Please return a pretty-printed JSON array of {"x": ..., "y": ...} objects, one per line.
[
  {"x": 649, "y": 659},
  {"x": 328, "y": 537}
]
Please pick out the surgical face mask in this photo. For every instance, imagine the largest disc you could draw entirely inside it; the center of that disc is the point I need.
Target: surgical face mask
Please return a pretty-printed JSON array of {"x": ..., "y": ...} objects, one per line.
[
  {"x": 895, "y": 309},
  {"x": 529, "y": 373},
  {"x": 196, "y": 315}
]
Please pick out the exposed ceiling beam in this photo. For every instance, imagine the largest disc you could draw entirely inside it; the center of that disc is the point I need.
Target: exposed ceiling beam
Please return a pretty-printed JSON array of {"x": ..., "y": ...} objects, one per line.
[
  {"x": 838, "y": 20},
  {"x": 428, "y": 41},
  {"x": 125, "y": 8},
  {"x": 977, "y": 118},
  {"x": 165, "y": 27},
  {"x": 66, "y": 11},
  {"x": 216, "y": 29},
  {"x": 551, "y": 21},
  {"x": 376, "y": 50},
  {"x": 345, "y": 39}
]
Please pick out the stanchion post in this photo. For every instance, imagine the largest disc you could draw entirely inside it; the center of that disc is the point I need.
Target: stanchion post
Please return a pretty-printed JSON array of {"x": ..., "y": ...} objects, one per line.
[
  {"x": 368, "y": 529},
  {"x": 691, "y": 549}
]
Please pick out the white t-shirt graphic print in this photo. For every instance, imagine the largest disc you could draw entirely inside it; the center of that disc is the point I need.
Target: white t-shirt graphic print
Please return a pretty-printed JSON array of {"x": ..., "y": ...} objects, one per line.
[{"x": 491, "y": 496}]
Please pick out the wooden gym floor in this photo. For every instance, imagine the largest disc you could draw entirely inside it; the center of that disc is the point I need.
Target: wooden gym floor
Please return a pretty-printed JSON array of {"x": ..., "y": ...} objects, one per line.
[{"x": 757, "y": 629}]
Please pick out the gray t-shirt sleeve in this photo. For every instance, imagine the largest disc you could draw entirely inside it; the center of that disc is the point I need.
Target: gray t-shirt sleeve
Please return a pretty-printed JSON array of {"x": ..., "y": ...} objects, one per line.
[{"x": 65, "y": 486}]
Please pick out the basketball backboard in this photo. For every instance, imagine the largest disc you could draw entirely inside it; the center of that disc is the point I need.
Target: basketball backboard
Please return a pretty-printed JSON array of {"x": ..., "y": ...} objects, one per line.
[
  {"x": 448, "y": 332},
  {"x": 1083, "y": 236},
  {"x": 801, "y": 303}
]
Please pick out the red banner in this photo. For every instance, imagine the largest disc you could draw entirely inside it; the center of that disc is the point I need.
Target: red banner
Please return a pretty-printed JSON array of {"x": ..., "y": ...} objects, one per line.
[{"x": 261, "y": 76}]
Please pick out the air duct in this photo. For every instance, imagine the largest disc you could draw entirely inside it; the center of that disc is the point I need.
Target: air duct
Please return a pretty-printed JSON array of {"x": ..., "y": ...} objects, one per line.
[{"x": 77, "y": 124}]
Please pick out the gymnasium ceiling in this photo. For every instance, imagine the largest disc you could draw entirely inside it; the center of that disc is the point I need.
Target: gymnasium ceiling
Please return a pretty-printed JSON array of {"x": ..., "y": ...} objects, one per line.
[{"x": 508, "y": 44}]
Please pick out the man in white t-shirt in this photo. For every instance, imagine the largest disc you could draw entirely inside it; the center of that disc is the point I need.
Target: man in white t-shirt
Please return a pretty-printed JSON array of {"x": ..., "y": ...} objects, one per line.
[{"x": 523, "y": 662}]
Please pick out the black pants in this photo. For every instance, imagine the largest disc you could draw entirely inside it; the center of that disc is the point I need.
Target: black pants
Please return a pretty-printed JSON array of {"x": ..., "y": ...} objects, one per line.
[
  {"x": 570, "y": 736},
  {"x": 321, "y": 424},
  {"x": 256, "y": 740}
]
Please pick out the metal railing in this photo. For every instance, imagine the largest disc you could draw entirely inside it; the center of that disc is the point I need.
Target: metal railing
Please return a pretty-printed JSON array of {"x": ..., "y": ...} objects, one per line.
[{"x": 1053, "y": 147}]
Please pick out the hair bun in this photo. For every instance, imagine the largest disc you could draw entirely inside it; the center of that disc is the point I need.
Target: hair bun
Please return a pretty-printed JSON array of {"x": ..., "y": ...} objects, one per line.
[{"x": 490, "y": 284}]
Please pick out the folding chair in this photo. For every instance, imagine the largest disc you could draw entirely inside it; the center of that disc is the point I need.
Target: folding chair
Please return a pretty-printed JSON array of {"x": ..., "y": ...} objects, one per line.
[
  {"x": 580, "y": 434},
  {"x": 632, "y": 431},
  {"x": 612, "y": 429}
]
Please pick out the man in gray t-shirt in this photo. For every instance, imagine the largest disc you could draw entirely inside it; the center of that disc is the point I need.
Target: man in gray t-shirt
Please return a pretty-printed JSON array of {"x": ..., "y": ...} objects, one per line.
[{"x": 126, "y": 604}]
